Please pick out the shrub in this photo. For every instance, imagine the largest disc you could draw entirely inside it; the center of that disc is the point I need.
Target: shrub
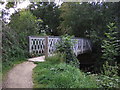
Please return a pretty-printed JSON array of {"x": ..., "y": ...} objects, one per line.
[
  {"x": 65, "y": 47},
  {"x": 12, "y": 52},
  {"x": 23, "y": 24},
  {"x": 109, "y": 77},
  {"x": 110, "y": 44},
  {"x": 61, "y": 76},
  {"x": 109, "y": 70},
  {"x": 104, "y": 81}
]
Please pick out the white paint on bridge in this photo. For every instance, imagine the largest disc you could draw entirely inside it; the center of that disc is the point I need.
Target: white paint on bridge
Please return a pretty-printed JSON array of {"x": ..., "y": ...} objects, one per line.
[{"x": 47, "y": 45}]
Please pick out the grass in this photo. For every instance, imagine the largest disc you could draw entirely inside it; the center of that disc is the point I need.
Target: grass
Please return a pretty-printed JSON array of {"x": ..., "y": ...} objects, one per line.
[
  {"x": 56, "y": 59},
  {"x": 8, "y": 66},
  {"x": 53, "y": 74}
]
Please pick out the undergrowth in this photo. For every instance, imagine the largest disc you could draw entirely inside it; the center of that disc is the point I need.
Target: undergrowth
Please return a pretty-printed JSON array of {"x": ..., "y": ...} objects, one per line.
[
  {"x": 12, "y": 52},
  {"x": 54, "y": 73},
  {"x": 9, "y": 65},
  {"x": 50, "y": 74}
]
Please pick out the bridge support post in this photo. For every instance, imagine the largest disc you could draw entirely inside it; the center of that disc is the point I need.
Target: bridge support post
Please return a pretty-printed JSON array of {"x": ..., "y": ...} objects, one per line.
[
  {"x": 46, "y": 46},
  {"x": 30, "y": 51}
]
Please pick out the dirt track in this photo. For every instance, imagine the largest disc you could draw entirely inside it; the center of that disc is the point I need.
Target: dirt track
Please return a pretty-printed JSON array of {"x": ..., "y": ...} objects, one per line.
[{"x": 20, "y": 76}]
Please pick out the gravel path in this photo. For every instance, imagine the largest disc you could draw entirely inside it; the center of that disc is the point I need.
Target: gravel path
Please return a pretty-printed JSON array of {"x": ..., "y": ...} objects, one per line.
[{"x": 20, "y": 76}]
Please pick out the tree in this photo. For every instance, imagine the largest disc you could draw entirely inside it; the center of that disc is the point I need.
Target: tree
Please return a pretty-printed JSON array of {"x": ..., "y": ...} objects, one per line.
[
  {"x": 65, "y": 48},
  {"x": 110, "y": 44},
  {"x": 24, "y": 24},
  {"x": 49, "y": 13},
  {"x": 81, "y": 19}
]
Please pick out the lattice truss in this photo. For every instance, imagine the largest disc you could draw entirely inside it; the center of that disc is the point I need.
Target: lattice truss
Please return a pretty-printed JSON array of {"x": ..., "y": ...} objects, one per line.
[
  {"x": 77, "y": 44},
  {"x": 87, "y": 45},
  {"x": 80, "y": 46},
  {"x": 52, "y": 42},
  {"x": 37, "y": 45}
]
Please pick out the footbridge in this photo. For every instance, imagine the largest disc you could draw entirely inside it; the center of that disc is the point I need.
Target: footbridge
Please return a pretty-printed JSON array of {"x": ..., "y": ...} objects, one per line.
[{"x": 47, "y": 45}]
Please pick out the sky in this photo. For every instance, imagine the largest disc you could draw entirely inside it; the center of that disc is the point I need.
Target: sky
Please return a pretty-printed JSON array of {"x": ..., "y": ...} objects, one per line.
[
  {"x": 19, "y": 5},
  {"x": 25, "y": 3}
]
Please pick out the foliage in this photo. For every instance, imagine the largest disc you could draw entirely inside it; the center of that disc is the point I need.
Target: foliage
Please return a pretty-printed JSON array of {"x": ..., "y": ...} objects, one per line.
[
  {"x": 11, "y": 49},
  {"x": 10, "y": 5},
  {"x": 10, "y": 45},
  {"x": 23, "y": 23},
  {"x": 89, "y": 20},
  {"x": 65, "y": 48},
  {"x": 110, "y": 44},
  {"x": 80, "y": 19},
  {"x": 49, "y": 13},
  {"x": 108, "y": 82},
  {"x": 12, "y": 52},
  {"x": 52, "y": 74},
  {"x": 109, "y": 70},
  {"x": 109, "y": 76},
  {"x": 75, "y": 20},
  {"x": 61, "y": 76}
]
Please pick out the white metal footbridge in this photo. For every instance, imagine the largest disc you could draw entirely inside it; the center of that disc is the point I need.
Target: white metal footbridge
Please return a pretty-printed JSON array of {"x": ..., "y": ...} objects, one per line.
[{"x": 47, "y": 45}]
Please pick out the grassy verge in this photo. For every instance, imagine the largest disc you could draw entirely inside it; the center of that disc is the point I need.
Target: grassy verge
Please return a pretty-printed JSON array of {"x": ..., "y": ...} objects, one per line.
[
  {"x": 56, "y": 74},
  {"x": 9, "y": 65}
]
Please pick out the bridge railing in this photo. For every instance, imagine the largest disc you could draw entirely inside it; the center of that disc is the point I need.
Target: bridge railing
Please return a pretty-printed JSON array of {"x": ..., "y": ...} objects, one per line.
[{"x": 47, "y": 45}]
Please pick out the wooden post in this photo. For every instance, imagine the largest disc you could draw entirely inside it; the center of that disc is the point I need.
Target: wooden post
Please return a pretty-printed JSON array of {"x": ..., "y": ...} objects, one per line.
[{"x": 46, "y": 47}]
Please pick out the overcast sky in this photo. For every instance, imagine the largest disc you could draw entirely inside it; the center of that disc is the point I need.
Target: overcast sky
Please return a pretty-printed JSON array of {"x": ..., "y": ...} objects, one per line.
[{"x": 19, "y": 5}]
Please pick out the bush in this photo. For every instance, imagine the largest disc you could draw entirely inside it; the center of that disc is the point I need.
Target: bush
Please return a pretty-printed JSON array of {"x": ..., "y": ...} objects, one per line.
[
  {"x": 65, "y": 48},
  {"x": 109, "y": 70},
  {"x": 104, "y": 81},
  {"x": 12, "y": 52},
  {"x": 23, "y": 24},
  {"x": 61, "y": 76},
  {"x": 109, "y": 77},
  {"x": 110, "y": 44}
]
